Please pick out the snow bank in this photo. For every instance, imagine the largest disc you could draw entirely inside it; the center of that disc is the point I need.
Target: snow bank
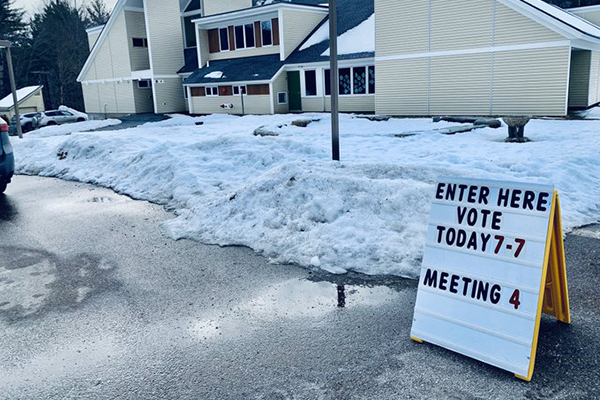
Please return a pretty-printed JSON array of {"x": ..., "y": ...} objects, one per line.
[
  {"x": 68, "y": 129},
  {"x": 281, "y": 196}
]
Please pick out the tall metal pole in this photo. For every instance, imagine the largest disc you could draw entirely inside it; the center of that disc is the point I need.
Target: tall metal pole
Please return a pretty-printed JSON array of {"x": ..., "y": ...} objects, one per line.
[
  {"x": 13, "y": 86},
  {"x": 334, "y": 75}
]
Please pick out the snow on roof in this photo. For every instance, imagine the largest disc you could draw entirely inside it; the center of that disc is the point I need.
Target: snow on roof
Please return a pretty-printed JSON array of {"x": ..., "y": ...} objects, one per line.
[
  {"x": 360, "y": 39},
  {"x": 566, "y": 17},
  {"x": 22, "y": 94},
  {"x": 321, "y": 35},
  {"x": 214, "y": 75}
]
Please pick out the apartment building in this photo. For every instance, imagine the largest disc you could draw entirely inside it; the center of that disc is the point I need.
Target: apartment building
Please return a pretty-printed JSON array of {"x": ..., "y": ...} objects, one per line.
[{"x": 397, "y": 57}]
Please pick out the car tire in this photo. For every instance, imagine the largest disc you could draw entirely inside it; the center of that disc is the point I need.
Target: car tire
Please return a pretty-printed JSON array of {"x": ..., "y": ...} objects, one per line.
[
  {"x": 3, "y": 186},
  {"x": 80, "y": 119},
  {"x": 27, "y": 128},
  {"x": 51, "y": 123}
]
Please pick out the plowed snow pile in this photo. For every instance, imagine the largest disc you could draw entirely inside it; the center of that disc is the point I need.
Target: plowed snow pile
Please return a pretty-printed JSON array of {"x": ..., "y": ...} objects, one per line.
[{"x": 281, "y": 196}]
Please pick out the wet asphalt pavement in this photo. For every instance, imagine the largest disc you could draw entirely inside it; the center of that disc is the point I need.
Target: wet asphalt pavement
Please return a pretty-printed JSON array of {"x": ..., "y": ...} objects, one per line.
[{"x": 95, "y": 303}]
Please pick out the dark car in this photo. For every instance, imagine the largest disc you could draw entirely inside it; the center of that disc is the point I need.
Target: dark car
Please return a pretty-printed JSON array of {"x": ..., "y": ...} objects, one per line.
[{"x": 7, "y": 159}]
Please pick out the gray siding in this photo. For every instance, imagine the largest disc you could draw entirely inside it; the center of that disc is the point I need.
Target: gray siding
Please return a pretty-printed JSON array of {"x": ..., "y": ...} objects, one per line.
[
  {"x": 136, "y": 28},
  {"x": 169, "y": 95},
  {"x": 212, "y": 7},
  {"x": 579, "y": 85},
  {"x": 594, "y": 91},
  {"x": 297, "y": 25},
  {"x": 143, "y": 99}
]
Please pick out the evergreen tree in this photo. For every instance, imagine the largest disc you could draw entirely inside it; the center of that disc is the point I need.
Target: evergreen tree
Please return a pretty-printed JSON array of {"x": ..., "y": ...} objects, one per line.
[
  {"x": 14, "y": 29},
  {"x": 97, "y": 13}
]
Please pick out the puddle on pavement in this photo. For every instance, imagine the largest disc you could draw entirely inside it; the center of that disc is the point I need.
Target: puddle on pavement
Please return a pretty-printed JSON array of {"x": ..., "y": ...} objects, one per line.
[
  {"x": 313, "y": 298},
  {"x": 33, "y": 282}
]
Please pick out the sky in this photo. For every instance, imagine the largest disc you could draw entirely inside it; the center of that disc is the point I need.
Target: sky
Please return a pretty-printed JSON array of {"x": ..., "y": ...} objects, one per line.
[{"x": 34, "y": 5}]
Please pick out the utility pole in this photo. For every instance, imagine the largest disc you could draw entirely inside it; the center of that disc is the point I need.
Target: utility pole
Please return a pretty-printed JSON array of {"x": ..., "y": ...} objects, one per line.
[
  {"x": 334, "y": 75},
  {"x": 11, "y": 73}
]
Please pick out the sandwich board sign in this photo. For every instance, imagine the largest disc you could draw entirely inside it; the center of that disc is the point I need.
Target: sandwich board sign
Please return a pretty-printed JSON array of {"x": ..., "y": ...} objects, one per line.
[{"x": 494, "y": 261}]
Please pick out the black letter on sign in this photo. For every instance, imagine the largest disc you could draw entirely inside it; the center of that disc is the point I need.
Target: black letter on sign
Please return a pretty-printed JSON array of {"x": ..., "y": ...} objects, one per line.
[
  {"x": 542, "y": 201},
  {"x": 495, "y": 294},
  {"x": 444, "y": 280},
  {"x": 496, "y": 220},
  {"x": 454, "y": 283},
  {"x": 430, "y": 278},
  {"x": 439, "y": 194}
]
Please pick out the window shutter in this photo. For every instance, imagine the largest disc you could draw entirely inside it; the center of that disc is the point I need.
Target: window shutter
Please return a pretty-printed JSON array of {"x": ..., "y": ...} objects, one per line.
[
  {"x": 258, "y": 34},
  {"x": 213, "y": 41},
  {"x": 254, "y": 90},
  {"x": 275, "y": 24},
  {"x": 231, "y": 38}
]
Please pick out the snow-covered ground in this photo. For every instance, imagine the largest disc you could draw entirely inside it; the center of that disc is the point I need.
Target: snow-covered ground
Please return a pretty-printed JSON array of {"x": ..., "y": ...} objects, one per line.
[
  {"x": 283, "y": 197},
  {"x": 68, "y": 129}
]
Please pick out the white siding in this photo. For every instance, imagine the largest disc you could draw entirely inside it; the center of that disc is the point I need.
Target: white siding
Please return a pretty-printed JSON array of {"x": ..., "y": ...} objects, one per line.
[
  {"x": 136, "y": 28},
  {"x": 165, "y": 36},
  {"x": 531, "y": 82},
  {"x": 212, "y": 7},
  {"x": 93, "y": 37},
  {"x": 203, "y": 47},
  {"x": 280, "y": 85},
  {"x": 413, "y": 80},
  {"x": 112, "y": 59},
  {"x": 297, "y": 25},
  {"x": 143, "y": 99},
  {"x": 252, "y": 104},
  {"x": 592, "y": 16},
  {"x": 348, "y": 104},
  {"x": 259, "y": 51}
]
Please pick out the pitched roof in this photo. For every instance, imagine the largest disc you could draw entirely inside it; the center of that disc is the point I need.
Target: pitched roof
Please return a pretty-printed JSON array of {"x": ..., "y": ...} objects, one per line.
[
  {"x": 549, "y": 14},
  {"x": 22, "y": 95},
  {"x": 352, "y": 15},
  {"x": 261, "y": 68}
]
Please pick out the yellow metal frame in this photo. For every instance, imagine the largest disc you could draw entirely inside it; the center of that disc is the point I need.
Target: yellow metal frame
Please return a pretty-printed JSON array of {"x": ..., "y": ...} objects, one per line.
[{"x": 554, "y": 292}]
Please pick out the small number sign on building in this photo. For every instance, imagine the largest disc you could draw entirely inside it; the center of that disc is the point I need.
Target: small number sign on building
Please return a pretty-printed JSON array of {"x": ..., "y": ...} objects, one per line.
[{"x": 494, "y": 261}]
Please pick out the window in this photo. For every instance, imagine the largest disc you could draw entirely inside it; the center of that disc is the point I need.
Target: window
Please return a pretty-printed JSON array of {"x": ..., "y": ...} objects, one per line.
[
  {"x": 197, "y": 92},
  {"x": 254, "y": 90},
  {"x": 372, "y": 80},
  {"x": 190, "y": 31},
  {"x": 147, "y": 84},
  {"x": 345, "y": 81},
  {"x": 359, "y": 80},
  {"x": 225, "y": 90},
  {"x": 65, "y": 114},
  {"x": 310, "y": 80},
  {"x": 240, "y": 43},
  {"x": 212, "y": 91},
  {"x": 282, "y": 98},
  {"x": 356, "y": 80},
  {"x": 224, "y": 39},
  {"x": 238, "y": 89},
  {"x": 140, "y": 42},
  {"x": 249, "y": 31},
  {"x": 267, "y": 33}
]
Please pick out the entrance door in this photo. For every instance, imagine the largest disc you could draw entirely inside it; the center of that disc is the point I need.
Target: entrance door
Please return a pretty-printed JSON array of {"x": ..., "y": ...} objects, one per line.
[{"x": 294, "y": 91}]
